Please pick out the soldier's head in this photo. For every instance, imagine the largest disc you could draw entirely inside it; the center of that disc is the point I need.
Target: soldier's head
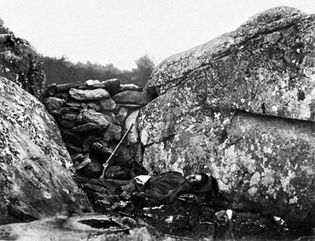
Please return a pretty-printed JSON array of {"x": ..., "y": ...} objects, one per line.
[{"x": 197, "y": 180}]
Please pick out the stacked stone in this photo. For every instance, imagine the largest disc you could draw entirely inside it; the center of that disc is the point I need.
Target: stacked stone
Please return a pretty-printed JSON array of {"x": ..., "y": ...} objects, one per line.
[{"x": 93, "y": 116}]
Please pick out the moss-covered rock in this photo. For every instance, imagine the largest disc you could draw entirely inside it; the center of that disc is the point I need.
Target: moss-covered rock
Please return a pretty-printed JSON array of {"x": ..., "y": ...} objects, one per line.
[
  {"x": 242, "y": 107},
  {"x": 266, "y": 66},
  {"x": 35, "y": 180},
  {"x": 20, "y": 63}
]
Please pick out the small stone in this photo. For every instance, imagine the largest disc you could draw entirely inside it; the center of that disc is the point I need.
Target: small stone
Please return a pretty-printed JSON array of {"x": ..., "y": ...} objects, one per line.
[
  {"x": 86, "y": 95},
  {"x": 133, "y": 97},
  {"x": 82, "y": 162},
  {"x": 89, "y": 127},
  {"x": 94, "y": 106},
  {"x": 67, "y": 86},
  {"x": 77, "y": 157},
  {"x": 112, "y": 86},
  {"x": 73, "y": 104},
  {"x": 122, "y": 114},
  {"x": 107, "y": 104},
  {"x": 170, "y": 219},
  {"x": 102, "y": 147},
  {"x": 110, "y": 116},
  {"x": 113, "y": 132},
  {"x": 129, "y": 222},
  {"x": 62, "y": 95},
  {"x": 80, "y": 118},
  {"x": 66, "y": 124},
  {"x": 125, "y": 87},
  {"x": 92, "y": 83},
  {"x": 102, "y": 105},
  {"x": 54, "y": 104},
  {"x": 94, "y": 117},
  {"x": 69, "y": 117}
]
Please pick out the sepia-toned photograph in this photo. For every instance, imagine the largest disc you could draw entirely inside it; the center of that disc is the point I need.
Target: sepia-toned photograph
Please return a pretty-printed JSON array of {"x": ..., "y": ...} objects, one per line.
[{"x": 157, "y": 120}]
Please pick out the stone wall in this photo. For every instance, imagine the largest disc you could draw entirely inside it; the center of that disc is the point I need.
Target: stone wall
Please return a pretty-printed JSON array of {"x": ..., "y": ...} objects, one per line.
[{"x": 93, "y": 117}]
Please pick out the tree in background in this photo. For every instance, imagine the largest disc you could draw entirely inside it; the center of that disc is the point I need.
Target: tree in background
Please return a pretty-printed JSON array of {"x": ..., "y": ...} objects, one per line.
[
  {"x": 142, "y": 73},
  {"x": 63, "y": 71}
]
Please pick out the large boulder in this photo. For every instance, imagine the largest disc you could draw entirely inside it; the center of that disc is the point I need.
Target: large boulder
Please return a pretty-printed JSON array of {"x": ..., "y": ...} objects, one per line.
[
  {"x": 34, "y": 178},
  {"x": 242, "y": 108},
  {"x": 20, "y": 63}
]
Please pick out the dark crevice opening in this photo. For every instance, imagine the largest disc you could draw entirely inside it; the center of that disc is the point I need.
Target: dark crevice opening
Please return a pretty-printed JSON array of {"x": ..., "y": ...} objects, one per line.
[{"x": 101, "y": 224}]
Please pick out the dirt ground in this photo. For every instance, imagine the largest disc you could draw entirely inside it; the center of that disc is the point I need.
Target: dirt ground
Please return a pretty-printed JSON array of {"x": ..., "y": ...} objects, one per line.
[{"x": 193, "y": 220}]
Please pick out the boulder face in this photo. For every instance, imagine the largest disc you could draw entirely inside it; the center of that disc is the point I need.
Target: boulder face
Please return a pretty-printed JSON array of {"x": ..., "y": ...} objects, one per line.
[
  {"x": 242, "y": 108},
  {"x": 266, "y": 66},
  {"x": 34, "y": 180}
]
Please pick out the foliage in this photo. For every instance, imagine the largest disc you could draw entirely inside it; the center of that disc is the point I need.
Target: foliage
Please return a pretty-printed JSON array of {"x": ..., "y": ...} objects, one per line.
[{"x": 63, "y": 71}]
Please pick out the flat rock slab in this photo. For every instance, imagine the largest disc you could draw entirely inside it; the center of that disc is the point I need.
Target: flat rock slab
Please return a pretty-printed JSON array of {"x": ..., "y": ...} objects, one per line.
[
  {"x": 86, "y": 95},
  {"x": 89, "y": 127},
  {"x": 132, "y": 97},
  {"x": 125, "y": 87},
  {"x": 66, "y": 86},
  {"x": 111, "y": 85},
  {"x": 91, "y": 227}
]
